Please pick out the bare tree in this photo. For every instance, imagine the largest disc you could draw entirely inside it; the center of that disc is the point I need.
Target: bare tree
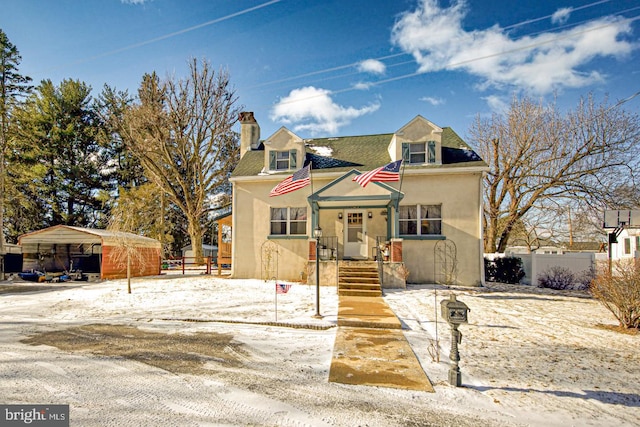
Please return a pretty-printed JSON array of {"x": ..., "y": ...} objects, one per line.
[
  {"x": 146, "y": 198},
  {"x": 540, "y": 158},
  {"x": 181, "y": 132},
  {"x": 126, "y": 249}
]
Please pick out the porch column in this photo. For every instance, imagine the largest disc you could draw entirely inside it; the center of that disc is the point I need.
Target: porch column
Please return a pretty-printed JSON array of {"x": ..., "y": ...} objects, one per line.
[
  {"x": 396, "y": 250},
  {"x": 391, "y": 232}
]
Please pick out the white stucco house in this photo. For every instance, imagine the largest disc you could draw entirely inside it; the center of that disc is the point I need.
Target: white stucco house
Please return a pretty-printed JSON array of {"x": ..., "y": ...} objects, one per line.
[{"x": 435, "y": 204}]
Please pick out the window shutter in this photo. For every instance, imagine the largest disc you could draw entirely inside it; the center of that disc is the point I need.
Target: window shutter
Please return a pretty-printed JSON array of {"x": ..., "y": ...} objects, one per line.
[
  {"x": 293, "y": 159},
  {"x": 406, "y": 154},
  {"x": 272, "y": 160},
  {"x": 432, "y": 152}
]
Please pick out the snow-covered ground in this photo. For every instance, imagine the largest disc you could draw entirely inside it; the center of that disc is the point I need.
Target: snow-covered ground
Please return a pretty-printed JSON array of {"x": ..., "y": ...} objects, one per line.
[{"x": 528, "y": 357}]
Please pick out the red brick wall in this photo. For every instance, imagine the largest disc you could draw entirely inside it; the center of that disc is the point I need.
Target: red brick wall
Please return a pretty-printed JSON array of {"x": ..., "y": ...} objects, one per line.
[
  {"x": 396, "y": 251},
  {"x": 312, "y": 250},
  {"x": 145, "y": 262}
]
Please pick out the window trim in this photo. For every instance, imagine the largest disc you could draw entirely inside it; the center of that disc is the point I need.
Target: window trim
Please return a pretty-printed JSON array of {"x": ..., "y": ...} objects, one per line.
[
  {"x": 428, "y": 149},
  {"x": 288, "y": 222},
  {"x": 418, "y": 222},
  {"x": 292, "y": 161}
]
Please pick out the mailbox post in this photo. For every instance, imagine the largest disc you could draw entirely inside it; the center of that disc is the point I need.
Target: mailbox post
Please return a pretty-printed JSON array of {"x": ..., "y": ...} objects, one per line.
[{"x": 455, "y": 313}]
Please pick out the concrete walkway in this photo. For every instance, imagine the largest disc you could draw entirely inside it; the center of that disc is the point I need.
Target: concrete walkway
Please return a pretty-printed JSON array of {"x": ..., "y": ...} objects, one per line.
[{"x": 370, "y": 348}]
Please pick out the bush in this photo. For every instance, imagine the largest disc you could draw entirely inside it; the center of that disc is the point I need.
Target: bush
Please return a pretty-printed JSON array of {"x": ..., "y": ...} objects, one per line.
[
  {"x": 556, "y": 278},
  {"x": 504, "y": 270},
  {"x": 490, "y": 270},
  {"x": 562, "y": 278},
  {"x": 619, "y": 292}
]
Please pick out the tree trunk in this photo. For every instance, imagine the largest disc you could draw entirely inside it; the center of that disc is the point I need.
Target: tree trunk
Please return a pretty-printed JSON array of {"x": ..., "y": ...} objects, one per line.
[
  {"x": 128, "y": 271},
  {"x": 490, "y": 236},
  {"x": 2, "y": 173},
  {"x": 195, "y": 234}
]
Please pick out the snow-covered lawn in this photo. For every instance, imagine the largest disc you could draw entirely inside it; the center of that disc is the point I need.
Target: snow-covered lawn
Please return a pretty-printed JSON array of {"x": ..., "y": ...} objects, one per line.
[{"x": 528, "y": 357}]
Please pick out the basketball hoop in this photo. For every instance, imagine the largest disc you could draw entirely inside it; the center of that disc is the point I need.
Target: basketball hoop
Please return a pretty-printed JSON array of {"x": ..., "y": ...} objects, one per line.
[{"x": 618, "y": 220}]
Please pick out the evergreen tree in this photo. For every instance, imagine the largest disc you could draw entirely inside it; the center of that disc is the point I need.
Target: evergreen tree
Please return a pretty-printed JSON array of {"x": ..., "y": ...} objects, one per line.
[
  {"x": 111, "y": 106},
  {"x": 13, "y": 85},
  {"x": 70, "y": 177}
]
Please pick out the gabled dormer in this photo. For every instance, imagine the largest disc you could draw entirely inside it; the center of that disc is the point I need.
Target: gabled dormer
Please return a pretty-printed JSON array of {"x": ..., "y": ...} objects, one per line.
[
  {"x": 419, "y": 143},
  {"x": 283, "y": 151}
]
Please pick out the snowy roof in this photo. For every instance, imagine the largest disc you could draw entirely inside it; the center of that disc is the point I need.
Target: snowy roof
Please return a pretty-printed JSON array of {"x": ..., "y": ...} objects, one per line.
[
  {"x": 66, "y": 234},
  {"x": 365, "y": 152}
]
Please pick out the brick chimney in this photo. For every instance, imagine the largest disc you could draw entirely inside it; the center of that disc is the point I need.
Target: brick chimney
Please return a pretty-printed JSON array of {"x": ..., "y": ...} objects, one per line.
[{"x": 249, "y": 132}]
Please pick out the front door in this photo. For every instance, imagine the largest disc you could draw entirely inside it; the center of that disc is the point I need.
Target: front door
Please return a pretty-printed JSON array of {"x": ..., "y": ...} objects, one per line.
[{"x": 355, "y": 234}]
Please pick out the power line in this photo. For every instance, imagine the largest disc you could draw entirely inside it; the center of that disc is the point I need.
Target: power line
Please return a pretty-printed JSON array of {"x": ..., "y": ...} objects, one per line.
[
  {"x": 175, "y": 33},
  {"x": 542, "y": 18},
  {"x": 457, "y": 64},
  {"x": 341, "y": 67}
]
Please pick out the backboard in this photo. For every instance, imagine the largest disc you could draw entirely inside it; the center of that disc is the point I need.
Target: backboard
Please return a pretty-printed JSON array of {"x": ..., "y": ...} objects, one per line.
[{"x": 621, "y": 218}]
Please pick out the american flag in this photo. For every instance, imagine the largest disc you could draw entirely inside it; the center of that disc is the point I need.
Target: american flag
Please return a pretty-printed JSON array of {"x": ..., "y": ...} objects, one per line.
[
  {"x": 386, "y": 173},
  {"x": 282, "y": 288},
  {"x": 298, "y": 180}
]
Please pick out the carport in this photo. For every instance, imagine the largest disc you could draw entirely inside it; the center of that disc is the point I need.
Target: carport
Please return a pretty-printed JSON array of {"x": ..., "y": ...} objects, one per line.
[{"x": 95, "y": 252}]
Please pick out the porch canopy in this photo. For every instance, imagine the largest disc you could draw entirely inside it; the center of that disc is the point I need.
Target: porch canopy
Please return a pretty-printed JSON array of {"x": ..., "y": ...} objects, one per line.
[{"x": 344, "y": 193}]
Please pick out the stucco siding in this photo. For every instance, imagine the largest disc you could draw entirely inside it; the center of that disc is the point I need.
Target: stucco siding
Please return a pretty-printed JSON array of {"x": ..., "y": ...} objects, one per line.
[
  {"x": 457, "y": 193},
  {"x": 460, "y": 200},
  {"x": 252, "y": 229}
]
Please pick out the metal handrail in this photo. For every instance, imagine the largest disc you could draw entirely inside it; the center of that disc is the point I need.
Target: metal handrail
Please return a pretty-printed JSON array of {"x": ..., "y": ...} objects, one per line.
[{"x": 381, "y": 241}]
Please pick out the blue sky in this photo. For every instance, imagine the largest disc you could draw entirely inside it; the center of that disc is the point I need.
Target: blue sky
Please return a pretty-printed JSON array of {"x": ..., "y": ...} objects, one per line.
[{"x": 343, "y": 67}]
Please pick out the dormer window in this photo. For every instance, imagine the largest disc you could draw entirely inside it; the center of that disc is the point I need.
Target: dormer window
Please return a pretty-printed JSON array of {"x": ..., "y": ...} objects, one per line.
[
  {"x": 419, "y": 153},
  {"x": 283, "y": 160}
]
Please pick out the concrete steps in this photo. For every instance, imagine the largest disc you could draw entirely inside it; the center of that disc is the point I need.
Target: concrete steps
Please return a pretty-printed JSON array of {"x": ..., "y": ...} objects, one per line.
[{"x": 359, "y": 279}]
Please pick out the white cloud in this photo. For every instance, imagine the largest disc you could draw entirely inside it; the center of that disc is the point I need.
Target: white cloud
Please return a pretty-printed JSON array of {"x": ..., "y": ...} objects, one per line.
[
  {"x": 541, "y": 63},
  {"x": 313, "y": 110},
  {"x": 372, "y": 66},
  {"x": 497, "y": 104},
  {"x": 362, "y": 85},
  {"x": 561, "y": 16},
  {"x": 136, "y": 1},
  {"x": 431, "y": 100}
]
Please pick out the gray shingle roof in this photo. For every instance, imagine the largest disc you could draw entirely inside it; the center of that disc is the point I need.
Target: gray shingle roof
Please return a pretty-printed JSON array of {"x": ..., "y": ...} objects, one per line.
[{"x": 363, "y": 153}]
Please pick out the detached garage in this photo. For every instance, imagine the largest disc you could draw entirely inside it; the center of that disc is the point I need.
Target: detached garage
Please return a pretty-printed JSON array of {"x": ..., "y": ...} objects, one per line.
[{"x": 96, "y": 253}]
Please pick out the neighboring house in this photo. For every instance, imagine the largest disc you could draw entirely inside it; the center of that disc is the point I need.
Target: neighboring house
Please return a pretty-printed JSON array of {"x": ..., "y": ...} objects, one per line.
[
  {"x": 11, "y": 260},
  {"x": 438, "y": 199},
  {"x": 593, "y": 246},
  {"x": 628, "y": 245},
  {"x": 210, "y": 251}
]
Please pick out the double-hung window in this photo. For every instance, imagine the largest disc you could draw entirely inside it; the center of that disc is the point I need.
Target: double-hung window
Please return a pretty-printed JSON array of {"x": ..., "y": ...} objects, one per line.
[
  {"x": 288, "y": 221},
  {"x": 418, "y": 153},
  {"x": 283, "y": 160},
  {"x": 420, "y": 220}
]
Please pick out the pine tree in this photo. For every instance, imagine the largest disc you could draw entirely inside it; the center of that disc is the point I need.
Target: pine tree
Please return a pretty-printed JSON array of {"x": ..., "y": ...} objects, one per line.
[
  {"x": 57, "y": 140},
  {"x": 12, "y": 86}
]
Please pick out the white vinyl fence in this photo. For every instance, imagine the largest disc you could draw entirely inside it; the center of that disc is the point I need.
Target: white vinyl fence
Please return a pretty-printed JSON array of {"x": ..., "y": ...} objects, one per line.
[{"x": 536, "y": 264}]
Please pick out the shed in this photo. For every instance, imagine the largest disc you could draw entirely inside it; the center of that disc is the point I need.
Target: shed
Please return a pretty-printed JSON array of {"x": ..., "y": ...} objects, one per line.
[
  {"x": 224, "y": 241},
  {"x": 210, "y": 251},
  {"x": 92, "y": 251}
]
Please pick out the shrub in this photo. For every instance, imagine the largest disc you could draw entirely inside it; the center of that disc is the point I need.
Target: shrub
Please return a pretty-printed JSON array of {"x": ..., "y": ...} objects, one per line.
[
  {"x": 508, "y": 270},
  {"x": 556, "y": 278},
  {"x": 490, "y": 270},
  {"x": 562, "y": 278},
  {"x": 583, "y": 279},
  {"x": 619, "y": 292}
]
